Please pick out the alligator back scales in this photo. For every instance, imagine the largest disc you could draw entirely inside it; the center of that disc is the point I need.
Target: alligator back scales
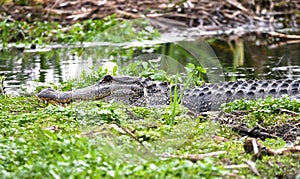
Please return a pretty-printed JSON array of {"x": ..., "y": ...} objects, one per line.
[{"x": 210, "y": 97}]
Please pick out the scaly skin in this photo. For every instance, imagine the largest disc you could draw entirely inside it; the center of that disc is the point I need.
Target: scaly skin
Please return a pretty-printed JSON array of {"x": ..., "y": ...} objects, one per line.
[{"x": 145, "y": 92}]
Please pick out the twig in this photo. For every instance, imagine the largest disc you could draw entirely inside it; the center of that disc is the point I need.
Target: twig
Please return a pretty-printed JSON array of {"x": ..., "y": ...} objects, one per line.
[
  {"x": 248, "y": 164},
  {"x": 261, "y": 127},
  {"x": 239, "y": 166},
  {"x": 127, "y": 14},
  {"x": 252, "y": 145},
  {"x": 284, "y": 36},
  {"x": 239, "y": 6},
  {"x": 192, "y": 157},
  {"x": 289, "y": 112},
  {"x": 129, "y": 132},
  {"x": 276, "y": 45},
  {"x": 282, "y": 151},
  {"x": 82, "y": 14},
  {"x": 251, "y": 132},
  {"x": 252, "y": 167}
]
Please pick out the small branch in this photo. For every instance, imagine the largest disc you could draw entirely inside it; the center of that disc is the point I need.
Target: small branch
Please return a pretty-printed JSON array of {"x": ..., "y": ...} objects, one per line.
[
  {"x": 252, "y": 132},
  {"x": 252, "y": 167},
  {"x": 192, "y": 157},
  {"x": 252, "y": 145},
  {"x": 129, "y": 132},
  {"x": 284, "y": 36},
  {"x": 127, "y": 14},
  {"x": 276, "y": 45},
  {"x": 236, "y": 166},
  {"x": 239, "y": 6},
  {"x": 248, "y": 164},
  {"x": 289, "y": 112}
]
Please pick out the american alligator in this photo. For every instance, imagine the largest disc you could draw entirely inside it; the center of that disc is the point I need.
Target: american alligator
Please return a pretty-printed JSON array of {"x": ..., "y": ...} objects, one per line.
[{"x": 145, "y": 92}]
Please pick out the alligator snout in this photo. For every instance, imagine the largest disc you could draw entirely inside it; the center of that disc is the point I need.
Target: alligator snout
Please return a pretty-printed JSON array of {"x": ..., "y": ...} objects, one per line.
[
  {"x": 52, "y": 96},
  {"x": 47, "y": 94}
]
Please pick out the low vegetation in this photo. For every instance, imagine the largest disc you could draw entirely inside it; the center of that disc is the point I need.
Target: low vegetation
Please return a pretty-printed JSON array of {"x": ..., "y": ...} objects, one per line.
[
  {"x": 45, "y": 32},
  {"x": 96, "y": 139}
]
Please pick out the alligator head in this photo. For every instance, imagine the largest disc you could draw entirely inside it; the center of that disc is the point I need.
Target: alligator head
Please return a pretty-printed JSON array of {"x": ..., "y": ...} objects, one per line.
[{"x": 128, "y": 90}]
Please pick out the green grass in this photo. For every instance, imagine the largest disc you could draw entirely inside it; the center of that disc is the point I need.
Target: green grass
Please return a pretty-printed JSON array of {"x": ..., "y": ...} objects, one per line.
[
  {"x": 265, "y": 111},
  {"x": 30, "y": 149},
  {"x": 40, "y": 141}
]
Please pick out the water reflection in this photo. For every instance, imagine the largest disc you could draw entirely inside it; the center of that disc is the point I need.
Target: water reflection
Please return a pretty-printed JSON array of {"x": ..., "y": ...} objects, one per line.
[
  {"x": 237, "y": 58},
  {"x": 252, "y": 60}
]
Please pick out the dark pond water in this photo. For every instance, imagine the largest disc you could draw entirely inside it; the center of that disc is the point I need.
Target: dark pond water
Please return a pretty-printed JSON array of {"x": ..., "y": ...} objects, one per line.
[{"x": 242, "y": 58}]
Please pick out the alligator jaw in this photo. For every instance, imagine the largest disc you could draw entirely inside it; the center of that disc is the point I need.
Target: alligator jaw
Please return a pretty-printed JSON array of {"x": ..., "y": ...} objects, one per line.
[
  {"x": 99, "y": 91},
  {"x": 52, "y": 96}
]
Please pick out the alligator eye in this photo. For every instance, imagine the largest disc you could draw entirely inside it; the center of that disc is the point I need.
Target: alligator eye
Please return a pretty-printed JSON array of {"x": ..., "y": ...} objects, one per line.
[
  {"x": 48, "y": 90},
  {"x": 105, "y": 79}
]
